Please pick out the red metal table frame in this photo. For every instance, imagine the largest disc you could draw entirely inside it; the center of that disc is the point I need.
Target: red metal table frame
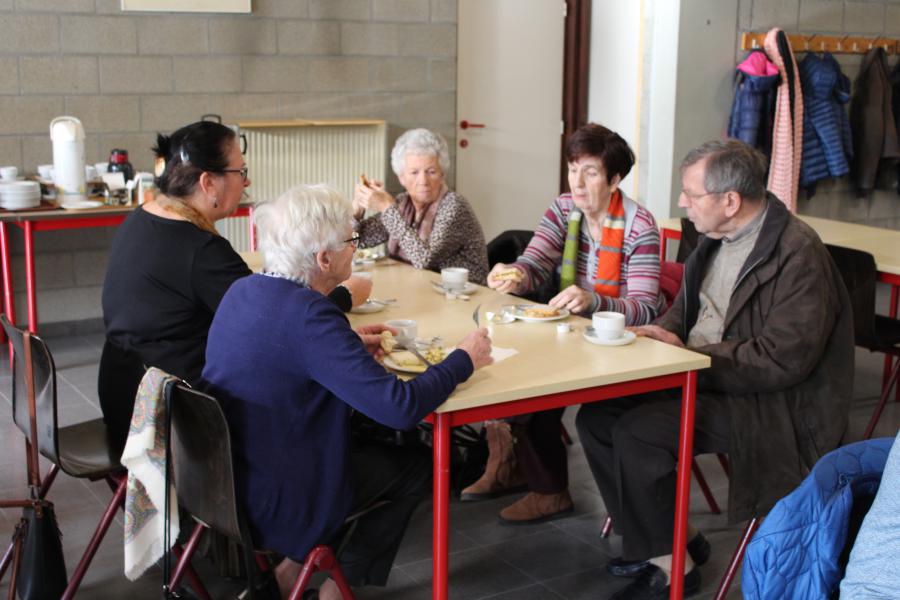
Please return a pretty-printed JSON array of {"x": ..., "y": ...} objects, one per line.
[
  {"x": 445, "y": 421},
  {"x": 666, "y": 234},
  {"x": 52, "y": 220}
]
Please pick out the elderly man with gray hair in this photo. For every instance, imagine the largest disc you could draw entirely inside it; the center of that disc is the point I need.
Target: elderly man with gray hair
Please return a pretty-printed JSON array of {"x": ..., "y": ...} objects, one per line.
[
  {"x": 762, "y": 297},
  {"x": 288, "y": 369},
  {"x": 429, "y": 226}
]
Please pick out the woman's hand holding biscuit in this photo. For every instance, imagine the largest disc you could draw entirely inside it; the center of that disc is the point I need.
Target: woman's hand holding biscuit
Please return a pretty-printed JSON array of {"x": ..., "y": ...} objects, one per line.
[
  {"x": 371, "y": 196},
  {"x": 505, "y": 279}
]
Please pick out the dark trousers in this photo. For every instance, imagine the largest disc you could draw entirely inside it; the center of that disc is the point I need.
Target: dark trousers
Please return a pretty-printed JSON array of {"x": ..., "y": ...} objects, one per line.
[
  {"x": 631, "y": 445},
  {"x": 399, "y": 476},
  {"x": 540, "y": 450}
]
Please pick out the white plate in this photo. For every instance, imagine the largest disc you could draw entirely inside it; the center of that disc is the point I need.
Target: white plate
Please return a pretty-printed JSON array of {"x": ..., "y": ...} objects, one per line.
[
  {"x": 520, "y": 314},
  {"x": 416, "y": 369},
  {"x": 469, "y": 288},
  {"x": 368, "y": 307},
  {"x": 626, "y": 339},
  {"x": 74, "y": 204}
]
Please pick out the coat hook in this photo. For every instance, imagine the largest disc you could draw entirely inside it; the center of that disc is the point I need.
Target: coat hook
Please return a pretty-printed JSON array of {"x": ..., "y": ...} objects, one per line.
[
  {"x": 807, "y": 41},
  {"x": 840, "y": 44}
]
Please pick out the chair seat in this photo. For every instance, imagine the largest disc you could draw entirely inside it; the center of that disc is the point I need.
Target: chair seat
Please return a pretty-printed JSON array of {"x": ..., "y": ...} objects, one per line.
[
  {"x": 887, "y": 335},
  {"x": 85, "y": 452}
]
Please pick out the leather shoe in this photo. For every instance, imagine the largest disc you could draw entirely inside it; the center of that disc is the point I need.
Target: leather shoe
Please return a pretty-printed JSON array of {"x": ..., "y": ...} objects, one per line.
[
  {"x": 698, "y": 548},
  {"x": 653, "y": 584}
]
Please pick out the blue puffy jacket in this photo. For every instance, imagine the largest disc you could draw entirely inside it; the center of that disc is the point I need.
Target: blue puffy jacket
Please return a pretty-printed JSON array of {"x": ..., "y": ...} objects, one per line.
[
  {"x": 827, "y": 143},
  {"x": 753, "y": 109},
  {"x": 796, "y": 550}
]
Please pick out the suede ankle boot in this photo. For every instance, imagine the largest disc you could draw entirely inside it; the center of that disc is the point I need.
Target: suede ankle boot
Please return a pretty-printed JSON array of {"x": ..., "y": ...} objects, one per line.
[
  {"x": 501, "y": 474},
  {"x": 537, "y": 508}
]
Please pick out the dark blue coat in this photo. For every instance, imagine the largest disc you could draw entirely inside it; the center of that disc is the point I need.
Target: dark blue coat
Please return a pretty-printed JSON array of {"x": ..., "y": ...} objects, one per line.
[
  {"x": 753, "y": 110},
  {"x": 827, "y": 143},
  {"x": 796, "y": 550}
]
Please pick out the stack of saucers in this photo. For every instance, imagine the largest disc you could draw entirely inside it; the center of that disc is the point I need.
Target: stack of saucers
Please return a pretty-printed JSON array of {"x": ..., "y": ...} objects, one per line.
[{"x": 16, "y": 195}]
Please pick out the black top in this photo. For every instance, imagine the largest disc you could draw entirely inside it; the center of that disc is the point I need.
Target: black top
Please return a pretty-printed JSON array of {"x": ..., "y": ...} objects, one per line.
[{"x": 164, "y": 281}]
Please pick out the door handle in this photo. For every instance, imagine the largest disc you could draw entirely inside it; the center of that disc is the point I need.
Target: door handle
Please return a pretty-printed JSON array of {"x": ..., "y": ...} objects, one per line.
[{"x": 465, "y": 125}]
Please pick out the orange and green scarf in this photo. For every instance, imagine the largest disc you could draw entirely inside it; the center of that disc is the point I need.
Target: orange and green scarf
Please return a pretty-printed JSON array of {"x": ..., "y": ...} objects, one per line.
[{"x": 609, "y": 254}]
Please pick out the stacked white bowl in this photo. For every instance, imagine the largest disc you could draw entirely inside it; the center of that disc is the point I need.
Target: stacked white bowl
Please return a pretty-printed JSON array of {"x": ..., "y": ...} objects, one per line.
[{"x": 16, "y": 195}]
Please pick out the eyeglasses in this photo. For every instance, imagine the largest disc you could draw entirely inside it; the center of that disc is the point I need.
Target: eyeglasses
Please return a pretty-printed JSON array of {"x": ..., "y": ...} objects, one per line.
[
  {"x": 694, "y": 198},
  {"x": 354, "y": 241},
  {"x": 244, "y": 171}
]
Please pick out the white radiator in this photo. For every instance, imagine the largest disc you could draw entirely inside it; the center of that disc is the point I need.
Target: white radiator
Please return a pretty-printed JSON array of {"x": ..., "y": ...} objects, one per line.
[{"x": 285, "y": 153}]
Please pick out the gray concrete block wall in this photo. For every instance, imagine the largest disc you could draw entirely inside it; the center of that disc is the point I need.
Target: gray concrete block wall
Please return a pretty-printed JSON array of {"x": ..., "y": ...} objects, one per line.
[
  {"x": 835, "y": 198},
  {"x": 129, "y": 75}
]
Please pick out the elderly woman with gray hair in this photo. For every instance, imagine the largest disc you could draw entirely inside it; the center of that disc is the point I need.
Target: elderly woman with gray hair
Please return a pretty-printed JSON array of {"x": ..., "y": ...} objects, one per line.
[
  {"x": 428, "y": 225},
  {"x": 288, "y": 369}
]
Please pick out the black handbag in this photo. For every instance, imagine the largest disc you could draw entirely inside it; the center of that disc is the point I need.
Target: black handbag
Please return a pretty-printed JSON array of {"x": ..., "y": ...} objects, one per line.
[{"x": 42, "y": 570}]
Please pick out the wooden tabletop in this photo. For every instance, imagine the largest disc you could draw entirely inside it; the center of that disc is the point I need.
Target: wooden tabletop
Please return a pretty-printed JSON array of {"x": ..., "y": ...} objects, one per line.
[
  {"x": 883, "y": 244},
  {"x": 49, "y": 214},
  {"x": 547, "y": 361}
]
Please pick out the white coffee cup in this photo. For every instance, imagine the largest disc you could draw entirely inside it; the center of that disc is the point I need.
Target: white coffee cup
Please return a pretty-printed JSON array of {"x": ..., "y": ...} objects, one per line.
[
  {"x": 46, "y": 172},
  {"x": 90, "y": 173},
  {"x": 407, "y": 329},
  {"x": 608, "y": 325},
  {"x": 454, "y": 278},
  {"x": 9, "y": 173},
  {"x": 101, "y": 167}
]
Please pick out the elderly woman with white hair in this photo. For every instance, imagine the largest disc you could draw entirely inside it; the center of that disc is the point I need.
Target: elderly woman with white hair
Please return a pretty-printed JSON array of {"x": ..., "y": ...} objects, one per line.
[
  {"x": 428, "y": 225},
  {"x": 288, "y": 369}
]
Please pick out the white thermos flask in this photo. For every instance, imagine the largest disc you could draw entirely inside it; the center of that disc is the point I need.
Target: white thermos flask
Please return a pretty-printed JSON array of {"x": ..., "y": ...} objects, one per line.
[{"x": 67, "y": 135}]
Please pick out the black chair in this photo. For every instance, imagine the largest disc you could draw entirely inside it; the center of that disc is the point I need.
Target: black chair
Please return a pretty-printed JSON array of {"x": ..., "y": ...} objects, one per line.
[
  {"x": 204, "y": 477},
  {"x": 507, "y": 247},
  {"x": 876, "y": 333}
]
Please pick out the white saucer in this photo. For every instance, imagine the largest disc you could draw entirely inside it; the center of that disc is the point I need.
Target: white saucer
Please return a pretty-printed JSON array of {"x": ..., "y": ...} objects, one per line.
[
  {"x": 368, "y": 307},
  {"x": 469, "y": 288},
  {"x": 627, "y": 338}
]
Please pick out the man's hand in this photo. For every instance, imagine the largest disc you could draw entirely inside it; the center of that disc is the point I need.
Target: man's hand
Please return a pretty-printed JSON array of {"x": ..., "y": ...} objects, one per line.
[
  {"x": 371, "y": 337},
  {"x": 505, "y": 286},
  {"x": 574, "y": 298},
  {"x": 656, "y": 332},
  {"x": 360, "y": 288},
  {"x": 478, "y": 346}
]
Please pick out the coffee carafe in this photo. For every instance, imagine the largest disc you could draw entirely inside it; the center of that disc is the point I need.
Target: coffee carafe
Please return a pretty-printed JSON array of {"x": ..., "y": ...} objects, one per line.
[
  {"x": 118, "y": 163},
  {"x": 67, "y": 135}
]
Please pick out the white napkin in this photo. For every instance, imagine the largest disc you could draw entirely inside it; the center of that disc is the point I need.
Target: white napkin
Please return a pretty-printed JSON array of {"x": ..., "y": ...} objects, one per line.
[{"x": 499, "y": 354}]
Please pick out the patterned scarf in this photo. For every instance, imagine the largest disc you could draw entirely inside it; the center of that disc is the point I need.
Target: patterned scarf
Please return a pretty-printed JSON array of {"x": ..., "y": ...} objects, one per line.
[
  {"x": 609, "y": 256},
  {"x": 570, "y": 250},
  {"x": 422, "y": 225},
  {"x": 177, "y": 207}
]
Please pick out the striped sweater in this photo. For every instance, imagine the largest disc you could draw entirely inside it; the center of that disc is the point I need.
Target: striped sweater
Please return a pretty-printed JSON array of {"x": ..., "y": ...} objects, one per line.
[{"x": 640, "y": 300}]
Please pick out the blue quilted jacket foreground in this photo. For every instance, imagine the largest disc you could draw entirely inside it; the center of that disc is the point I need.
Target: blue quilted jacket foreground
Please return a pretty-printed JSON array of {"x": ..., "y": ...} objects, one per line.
[{"x": 795, "y": 552}]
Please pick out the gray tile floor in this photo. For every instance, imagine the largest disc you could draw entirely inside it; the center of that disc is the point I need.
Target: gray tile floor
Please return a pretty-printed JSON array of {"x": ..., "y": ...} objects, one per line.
[{"x": 559, "y": 560}]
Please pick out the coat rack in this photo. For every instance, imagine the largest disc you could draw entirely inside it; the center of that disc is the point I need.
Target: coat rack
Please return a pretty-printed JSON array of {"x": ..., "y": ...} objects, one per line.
[{"x": 846, "y": 44}]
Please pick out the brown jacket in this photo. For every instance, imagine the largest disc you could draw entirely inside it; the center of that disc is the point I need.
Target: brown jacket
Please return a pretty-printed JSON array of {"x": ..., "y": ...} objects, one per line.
[
  {"x": 785, "y": 362},
  {"x": 875, "y": 145}
]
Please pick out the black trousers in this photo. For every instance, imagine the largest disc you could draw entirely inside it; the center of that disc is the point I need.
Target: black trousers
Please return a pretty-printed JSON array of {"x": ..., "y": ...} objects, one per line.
[
  {"x": 631, "y": 445},
  {"x": 401, "y": 476},
  {"x": 540, "y": 450}
]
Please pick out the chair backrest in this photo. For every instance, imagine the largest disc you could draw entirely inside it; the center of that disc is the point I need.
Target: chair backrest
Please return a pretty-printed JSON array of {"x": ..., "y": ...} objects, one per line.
[
  {"x": 670, "y": 276},
  {"x": 44, "y": 385},
  {"x": 508, "y": 246},
  {"x": 201, "y": 454},
  {"x": 858, "y": 270}
]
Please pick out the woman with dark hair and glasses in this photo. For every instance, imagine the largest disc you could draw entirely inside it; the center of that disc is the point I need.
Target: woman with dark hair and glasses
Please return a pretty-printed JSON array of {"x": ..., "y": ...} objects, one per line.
[{"x": 169, "y": 268}]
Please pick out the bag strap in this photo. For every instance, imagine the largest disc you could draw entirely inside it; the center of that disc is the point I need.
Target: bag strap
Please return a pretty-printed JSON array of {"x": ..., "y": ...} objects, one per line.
[
  {"x": 34, "y": 473},
  {"x": 167, "y": 546}
]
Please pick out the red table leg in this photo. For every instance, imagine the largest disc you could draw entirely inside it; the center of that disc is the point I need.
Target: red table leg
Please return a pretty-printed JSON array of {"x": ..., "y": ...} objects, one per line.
[
  {"x": 683, "y": 490},
  {"x": 888, "y": 359},
  {"x": 8, "y": 298},
  {"x": 30, "y": 288},
  {"x": 440, "y": 549}
]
